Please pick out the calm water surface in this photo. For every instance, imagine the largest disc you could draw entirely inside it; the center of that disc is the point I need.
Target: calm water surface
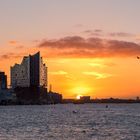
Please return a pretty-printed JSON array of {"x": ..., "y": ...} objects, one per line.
[{"x": 58, "y": 122}]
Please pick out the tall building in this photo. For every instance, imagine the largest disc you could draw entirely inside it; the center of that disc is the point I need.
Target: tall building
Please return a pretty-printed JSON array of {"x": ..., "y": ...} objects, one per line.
[
  {"x": 3, "y": 80},
  {"x": 32, "y": 72}
]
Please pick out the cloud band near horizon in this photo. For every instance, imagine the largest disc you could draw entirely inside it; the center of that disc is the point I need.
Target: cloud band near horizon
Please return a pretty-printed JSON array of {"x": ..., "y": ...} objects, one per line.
[{"x": 77, "y": 46}]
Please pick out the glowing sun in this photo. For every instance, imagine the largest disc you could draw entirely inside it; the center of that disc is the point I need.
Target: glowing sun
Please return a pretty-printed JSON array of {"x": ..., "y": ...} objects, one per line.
[{"x": 78, "y": 96}]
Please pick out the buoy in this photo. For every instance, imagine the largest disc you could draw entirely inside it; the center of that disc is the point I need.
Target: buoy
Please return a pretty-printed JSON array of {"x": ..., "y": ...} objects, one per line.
[
  {"x": 106, "y": 106},
  {"x": 84, "y": 131},
  {"x": 74, "y": 111}
]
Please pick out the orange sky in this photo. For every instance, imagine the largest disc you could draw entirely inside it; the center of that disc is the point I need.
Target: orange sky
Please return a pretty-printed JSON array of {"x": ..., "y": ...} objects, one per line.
[
  {"x": 77, "y": 65},
  {"x": 98, "y": 77}
]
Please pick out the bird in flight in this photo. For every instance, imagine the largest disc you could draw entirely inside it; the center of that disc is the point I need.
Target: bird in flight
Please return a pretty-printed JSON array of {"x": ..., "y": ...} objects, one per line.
[{"x": 138, "y": 57}]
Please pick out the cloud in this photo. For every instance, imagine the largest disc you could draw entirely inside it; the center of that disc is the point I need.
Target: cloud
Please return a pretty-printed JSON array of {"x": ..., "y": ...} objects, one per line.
[
  {"x": 58, "y": 73},
  {"x": 79, "y": 47},
  {"x": 11, "y": 55},
  {"x": 6, "y": 56},
  {"x": 121, "y": 34},
  {"x": 13, "y": 42},
  {"x": 96, "y": 32},
  {"x": 102, "y": 65},
  {"x": 101, "y": 33},
  {"x": 98, "y": 75}
]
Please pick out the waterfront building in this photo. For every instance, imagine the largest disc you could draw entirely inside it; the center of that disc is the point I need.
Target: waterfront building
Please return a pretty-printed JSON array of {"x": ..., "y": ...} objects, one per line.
[
  {"x": 29, "y": 80},
  {"x": 3, "y": 80},
  {"x": 32, "y": 72},
  {"x": 85, "y": 99},
  {"x": 54, "y": 97},
  {"x": 6, "y": 95}
]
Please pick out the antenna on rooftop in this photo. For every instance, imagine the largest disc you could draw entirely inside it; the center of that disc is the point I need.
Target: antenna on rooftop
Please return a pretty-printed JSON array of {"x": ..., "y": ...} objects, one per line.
[{"x": 50, "y": 90}]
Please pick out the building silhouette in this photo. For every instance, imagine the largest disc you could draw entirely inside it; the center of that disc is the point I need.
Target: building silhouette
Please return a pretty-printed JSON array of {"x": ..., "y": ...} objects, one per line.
[
  {"x": 53, "y": 97},
  {"x": 6, "y": 95},
  {"x": 29, "y": 79},
  {"x": 3, "y": 80},
  {"x": 31, "y": 72},
  {"x": 85, "y": 99}
]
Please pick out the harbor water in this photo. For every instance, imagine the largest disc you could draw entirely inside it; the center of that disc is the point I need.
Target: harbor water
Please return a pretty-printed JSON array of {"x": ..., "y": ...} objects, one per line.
[{"x": 70, "y": 122}]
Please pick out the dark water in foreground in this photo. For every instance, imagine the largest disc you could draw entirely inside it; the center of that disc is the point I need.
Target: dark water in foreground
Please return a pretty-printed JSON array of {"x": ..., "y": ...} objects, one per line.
[{"x": 58, "y": 122}]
